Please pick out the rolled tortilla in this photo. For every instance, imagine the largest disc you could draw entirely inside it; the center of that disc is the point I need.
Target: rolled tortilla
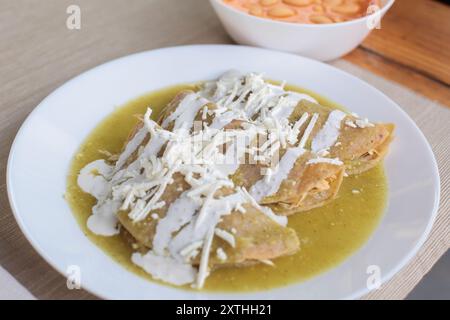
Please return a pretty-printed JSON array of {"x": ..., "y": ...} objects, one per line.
[
  {"x": 305, "y": 186},
  {"x": 359, "y": 147},
  {"x": 257, "y": 237}
]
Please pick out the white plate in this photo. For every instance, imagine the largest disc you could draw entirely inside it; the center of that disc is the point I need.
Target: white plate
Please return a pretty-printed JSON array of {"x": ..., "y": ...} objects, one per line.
[{"x": 40, "y": 156}]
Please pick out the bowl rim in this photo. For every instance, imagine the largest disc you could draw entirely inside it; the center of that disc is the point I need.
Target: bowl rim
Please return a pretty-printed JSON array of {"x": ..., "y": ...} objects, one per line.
[{"x": 381, "y": 12}]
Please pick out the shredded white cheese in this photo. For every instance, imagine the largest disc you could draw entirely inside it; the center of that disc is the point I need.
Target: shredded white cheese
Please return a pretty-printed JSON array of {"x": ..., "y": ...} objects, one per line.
[
  {"x": 329, "y": 133},
  {"x": 308, "y": 130},
  {"x": 334, "y": 161},
  {"x": 221, "y": 254},
  {"x": 267, "y": 262},
  {"x": 262, "y": 188},
  {"x": 196, "y": 152},
  {"x": 225, "y": 236}
]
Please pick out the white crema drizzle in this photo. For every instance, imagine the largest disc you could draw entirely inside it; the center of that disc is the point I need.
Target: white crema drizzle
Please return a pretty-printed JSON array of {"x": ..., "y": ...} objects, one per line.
[{"x": 185, "y": 233}]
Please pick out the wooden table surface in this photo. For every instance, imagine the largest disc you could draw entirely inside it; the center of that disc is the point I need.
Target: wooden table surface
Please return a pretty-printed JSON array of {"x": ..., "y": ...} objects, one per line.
[
  {"x": 38, "y": 53},
  {"x": 412, "y": 48}
]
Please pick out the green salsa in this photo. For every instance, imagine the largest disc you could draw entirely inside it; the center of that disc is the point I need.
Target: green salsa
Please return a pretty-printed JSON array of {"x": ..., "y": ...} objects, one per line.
[{"x": 328, "y": 235}]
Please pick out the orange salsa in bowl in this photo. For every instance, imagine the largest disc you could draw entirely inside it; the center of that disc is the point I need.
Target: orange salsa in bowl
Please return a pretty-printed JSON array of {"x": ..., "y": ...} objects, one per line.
[{"x": 306, "y": 11}]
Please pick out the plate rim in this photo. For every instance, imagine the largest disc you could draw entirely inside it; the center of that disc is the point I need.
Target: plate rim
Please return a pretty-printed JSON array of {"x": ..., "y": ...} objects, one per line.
[{"x": 356, "y": 294}]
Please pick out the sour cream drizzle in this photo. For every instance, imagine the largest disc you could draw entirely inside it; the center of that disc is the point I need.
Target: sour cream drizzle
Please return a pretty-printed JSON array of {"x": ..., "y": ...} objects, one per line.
[
  {"x": 184, "y": 235},
  {"x": 328, "y": 135},
  {"x": 263, "y": 188}
]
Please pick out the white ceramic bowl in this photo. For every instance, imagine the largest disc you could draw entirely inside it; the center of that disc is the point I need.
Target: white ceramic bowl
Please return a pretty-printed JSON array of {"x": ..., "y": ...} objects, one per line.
[
  {"x": 321, "y": 42},
  {"x": 41, "y": 153}
]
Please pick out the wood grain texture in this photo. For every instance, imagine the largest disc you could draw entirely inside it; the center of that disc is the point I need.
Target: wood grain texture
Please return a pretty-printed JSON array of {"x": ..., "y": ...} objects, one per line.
[
  {"x": 38, "y": 54},
  {"x": 420, "y": 83},
  {"x": 416, "y": 33}
]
